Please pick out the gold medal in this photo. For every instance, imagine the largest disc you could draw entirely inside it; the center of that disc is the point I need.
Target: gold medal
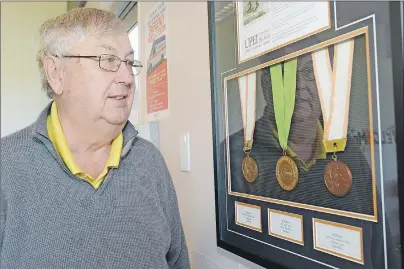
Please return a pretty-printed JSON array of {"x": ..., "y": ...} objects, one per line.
[
  {"x": 250, "y": 169},
  {"x": 287, "y": 173}
]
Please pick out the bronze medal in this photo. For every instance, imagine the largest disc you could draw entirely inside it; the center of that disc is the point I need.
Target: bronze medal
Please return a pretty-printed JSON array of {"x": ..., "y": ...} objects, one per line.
[
  {"x": 250, "y": 169},
  {"x": 287, "y": 173},
  {"x": 338, "y": 178}
]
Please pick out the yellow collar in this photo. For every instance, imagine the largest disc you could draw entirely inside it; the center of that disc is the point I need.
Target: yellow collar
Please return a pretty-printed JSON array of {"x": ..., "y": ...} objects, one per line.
[
  {"x": 319, "y": 154},
  {"x": 59, "y": 141}
]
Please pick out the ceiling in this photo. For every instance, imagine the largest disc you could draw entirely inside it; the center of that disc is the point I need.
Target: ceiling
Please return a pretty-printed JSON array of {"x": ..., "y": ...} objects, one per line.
[{"x": 75, "y": 4}]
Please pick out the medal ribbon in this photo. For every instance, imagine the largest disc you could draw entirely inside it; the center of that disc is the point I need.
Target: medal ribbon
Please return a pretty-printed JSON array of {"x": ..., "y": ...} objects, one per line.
[
  {"x": 284, "y": 92},
  {"x": 247, "y": 88},
  {"x": 334, "y": 87}
]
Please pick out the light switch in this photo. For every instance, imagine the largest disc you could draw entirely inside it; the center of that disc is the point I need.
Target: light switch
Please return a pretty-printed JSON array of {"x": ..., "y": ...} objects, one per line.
[{"x": 185, "y": 153}]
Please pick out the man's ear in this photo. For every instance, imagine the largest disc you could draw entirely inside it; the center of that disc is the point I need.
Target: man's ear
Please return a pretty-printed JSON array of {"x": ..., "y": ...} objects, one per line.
[{"x": 53, "y": 69}]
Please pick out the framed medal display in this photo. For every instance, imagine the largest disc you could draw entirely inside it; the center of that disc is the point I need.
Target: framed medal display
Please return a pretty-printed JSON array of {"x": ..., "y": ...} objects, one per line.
[{"x": 307, "y": 118}]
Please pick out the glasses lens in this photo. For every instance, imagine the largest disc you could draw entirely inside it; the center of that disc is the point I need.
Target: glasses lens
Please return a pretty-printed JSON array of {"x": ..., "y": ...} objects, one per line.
[
  {"x": 110, "y": 62},
  {"x": 136, "y": 67}
]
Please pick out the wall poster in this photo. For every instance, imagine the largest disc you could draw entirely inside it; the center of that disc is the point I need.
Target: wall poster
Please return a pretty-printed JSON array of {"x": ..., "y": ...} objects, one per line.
[
  {"x": 301, "y": 94},
  {"x": 157, "y": 95}
]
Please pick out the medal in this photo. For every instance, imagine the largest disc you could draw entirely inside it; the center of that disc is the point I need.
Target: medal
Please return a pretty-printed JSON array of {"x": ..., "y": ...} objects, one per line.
[
  {"x": 247, "y": 88},
  {"x": 287, "y": 173},
  {"x": 250, "y": 169},
  {"x": 284, "y": 92},
  {"x": 338, "y": 178},
  {"x": 334, "y": 87}
]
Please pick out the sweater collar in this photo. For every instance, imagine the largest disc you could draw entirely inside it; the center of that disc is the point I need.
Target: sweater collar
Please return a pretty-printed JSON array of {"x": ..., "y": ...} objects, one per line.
[{"x": 39, "y": 126}]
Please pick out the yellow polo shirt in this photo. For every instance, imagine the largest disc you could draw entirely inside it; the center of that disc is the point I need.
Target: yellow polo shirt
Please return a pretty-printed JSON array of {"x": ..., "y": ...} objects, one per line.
[{"x": 61, "y": 146}]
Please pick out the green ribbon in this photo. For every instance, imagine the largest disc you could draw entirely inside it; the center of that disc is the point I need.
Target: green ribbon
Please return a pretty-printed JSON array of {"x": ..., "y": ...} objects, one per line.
[{"x": 284, "y": 92}]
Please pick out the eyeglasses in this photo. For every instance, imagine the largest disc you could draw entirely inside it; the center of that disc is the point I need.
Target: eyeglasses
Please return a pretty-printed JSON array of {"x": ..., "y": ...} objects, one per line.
[{"x": 111, "y": 63}]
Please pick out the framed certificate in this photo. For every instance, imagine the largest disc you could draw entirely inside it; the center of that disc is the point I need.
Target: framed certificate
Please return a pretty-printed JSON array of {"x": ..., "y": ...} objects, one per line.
[{"x": 307, "y": 102}]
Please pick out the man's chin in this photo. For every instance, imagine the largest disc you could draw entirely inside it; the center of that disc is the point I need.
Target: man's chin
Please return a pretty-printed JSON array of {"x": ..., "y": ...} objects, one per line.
[
  {"x": 117, "y": 119},
  {"x": 116, "y": 115}
]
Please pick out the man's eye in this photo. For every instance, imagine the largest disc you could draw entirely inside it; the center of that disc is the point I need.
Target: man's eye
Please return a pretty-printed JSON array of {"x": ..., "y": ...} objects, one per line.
[
  {"x": 110, "y": 59},
  {"x": 130, "y": 63}
]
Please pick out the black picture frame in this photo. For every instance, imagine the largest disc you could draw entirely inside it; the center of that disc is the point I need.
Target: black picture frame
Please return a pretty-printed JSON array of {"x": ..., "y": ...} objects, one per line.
[
  {"x": 396, "y": 32},
  {"x": 397, "y": 49}
]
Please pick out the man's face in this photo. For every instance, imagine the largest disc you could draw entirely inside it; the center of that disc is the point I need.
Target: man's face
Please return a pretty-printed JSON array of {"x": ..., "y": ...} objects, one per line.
[{"x": 93, "y": 93}]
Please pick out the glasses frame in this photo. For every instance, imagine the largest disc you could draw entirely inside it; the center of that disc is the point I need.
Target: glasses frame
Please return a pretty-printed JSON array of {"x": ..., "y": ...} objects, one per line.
[{"x": 98, "y": 58}]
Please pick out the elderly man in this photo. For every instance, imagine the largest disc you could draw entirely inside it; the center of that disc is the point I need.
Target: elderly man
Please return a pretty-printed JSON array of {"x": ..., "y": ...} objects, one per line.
[{"x": 79, "y": 189}]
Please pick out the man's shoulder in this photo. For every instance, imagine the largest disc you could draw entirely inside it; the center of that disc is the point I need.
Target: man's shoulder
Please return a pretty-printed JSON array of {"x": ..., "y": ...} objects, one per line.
[
  {"x": 17, "y": 153},
  {"x": 149, "y": 163},
  {"x": 19, "y": 139},
  {"x": 143, "y": 149},
  {"x": 143, "y": 145}
]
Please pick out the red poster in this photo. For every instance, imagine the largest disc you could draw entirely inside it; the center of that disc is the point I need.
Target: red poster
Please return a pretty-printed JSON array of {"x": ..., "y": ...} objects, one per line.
[
  {"x": 157, "y": 101},
  {"x": 157, "y": 89}
]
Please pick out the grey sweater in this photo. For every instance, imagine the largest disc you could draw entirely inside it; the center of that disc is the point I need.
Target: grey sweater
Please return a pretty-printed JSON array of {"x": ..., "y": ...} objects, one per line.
[{"x": 51, "y": 219}]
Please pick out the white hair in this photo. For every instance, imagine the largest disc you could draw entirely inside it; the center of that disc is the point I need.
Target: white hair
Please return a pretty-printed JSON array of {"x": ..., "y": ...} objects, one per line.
[{"x": 58, "y": 34}]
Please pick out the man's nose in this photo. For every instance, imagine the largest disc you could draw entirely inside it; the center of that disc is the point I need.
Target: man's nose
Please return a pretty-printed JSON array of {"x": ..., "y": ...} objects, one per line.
[{"x": 124, "y": 74}]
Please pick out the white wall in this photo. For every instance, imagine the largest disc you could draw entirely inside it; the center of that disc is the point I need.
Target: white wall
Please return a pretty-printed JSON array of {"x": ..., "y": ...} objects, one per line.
[
  {"x": 21, "y": 96},
  {"x": 190, "y": 111}
]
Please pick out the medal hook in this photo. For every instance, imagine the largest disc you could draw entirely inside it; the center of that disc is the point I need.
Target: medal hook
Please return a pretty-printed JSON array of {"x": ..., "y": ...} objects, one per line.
[
  {"x": 334, "y": 156},
  {"x": 247, "y": 147},
  {"x": 247, "y": 151},
  {"x": 284, "y": 152}
]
